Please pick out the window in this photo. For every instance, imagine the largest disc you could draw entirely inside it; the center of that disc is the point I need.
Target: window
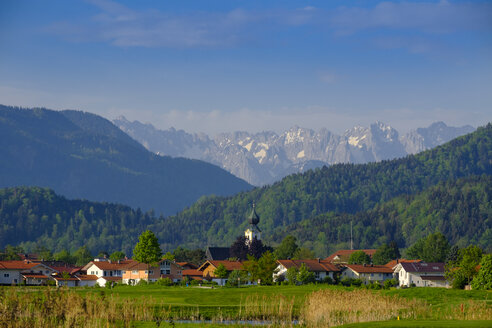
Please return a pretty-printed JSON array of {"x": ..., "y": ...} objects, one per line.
[
  {"x": 6, "y": 275},
  {"x": 105, "y": 273},
  {"x": 165, "y": 271},
  {"x": 135, "y": 272},
  {"x": 151, "y": 272}
]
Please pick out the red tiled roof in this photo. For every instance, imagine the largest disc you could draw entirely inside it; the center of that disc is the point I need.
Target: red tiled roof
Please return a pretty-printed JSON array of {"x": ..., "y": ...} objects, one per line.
[
  {"x": 344, "y": 254},
  {"x": 105, "y": 265},
  {"x": 360, "y": 268},
  {"x": 111, "y": 278},
  {"x": 191, "y": 273},
  {"x": 60, "y": 277},
  {"x": 187, "y": 264},
  {"x": 313, "y": 265},
  {"x": 229, "y": 265},
  {"x": 423, "y": 267},
  {"x": 34, "y": 276},
  {"x": 17, "y": 265}
]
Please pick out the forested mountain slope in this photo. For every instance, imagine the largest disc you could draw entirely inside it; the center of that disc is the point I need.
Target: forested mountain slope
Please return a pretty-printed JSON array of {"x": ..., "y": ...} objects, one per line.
[
  {"x": 82, "y": 155},
  {"x": 460, "y": 209},
  {"x": 343, "y": 188},
  {"x": 33, "y": 216}
]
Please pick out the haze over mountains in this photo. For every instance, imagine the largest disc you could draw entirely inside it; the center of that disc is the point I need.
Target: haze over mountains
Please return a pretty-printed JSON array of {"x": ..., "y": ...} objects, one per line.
[
  {"x": 82, "y": 155},
  {"x": 266, "y": 157}
]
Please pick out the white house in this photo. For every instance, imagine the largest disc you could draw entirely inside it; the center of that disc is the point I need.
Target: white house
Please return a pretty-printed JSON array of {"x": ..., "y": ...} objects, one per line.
[
  {"x": 421, "y": 274},
  {"x": 367, "y": 272},
  {"x": 103, "y": 269},
  {"x": 15, "y": 272},
  {"x": 321, "y": 269}
]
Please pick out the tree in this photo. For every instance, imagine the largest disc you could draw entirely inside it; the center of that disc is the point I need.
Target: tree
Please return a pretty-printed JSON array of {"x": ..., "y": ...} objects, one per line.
[
  {"x": 303, "y": 254},
  {"x": 82, "y": 256},
  {"x": 464, "y": 268},
  {"x": 43, "y": 253},
  {"x": 147, "y": 249},
  {"x": 256, "y": 248},
  {"x": 433, "y": 248},
  {"x": 221, "y": 272},
  {"x": 483, "y": 280},
  {"x": 304, "y": 276},
  {"x": 65, "y": 256},
  {"x": 237, "y": 277},
  {"x": 239, "y": 249},
  {"x": 196, "y": 256},
  {"x": 287, "y": 248},
  {"x": 117, "y": 256},
  {"x": 168, "y": 256},
  {"x": 385, "y": 253},
  {"x": 267, "y": 265},
  {"x": 291, "y": 275},
  {"x": 12, "y": 253},
  {"x": 359, "y": 257}
]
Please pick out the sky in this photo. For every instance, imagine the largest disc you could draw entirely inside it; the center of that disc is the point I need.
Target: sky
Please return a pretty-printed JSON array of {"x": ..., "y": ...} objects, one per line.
[{"x": 219, "y": 66}]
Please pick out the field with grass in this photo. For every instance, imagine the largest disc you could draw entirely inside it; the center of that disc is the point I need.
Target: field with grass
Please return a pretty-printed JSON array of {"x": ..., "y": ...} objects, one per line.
[{"x": 308, "y": 306}]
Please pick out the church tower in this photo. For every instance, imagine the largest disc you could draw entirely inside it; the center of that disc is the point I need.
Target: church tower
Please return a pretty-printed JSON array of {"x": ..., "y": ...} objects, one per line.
[{"x": 253, "y": 231}]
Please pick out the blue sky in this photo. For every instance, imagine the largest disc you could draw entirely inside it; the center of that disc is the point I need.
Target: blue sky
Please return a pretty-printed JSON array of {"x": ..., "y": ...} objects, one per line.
[{"x": 216, "y": 66}]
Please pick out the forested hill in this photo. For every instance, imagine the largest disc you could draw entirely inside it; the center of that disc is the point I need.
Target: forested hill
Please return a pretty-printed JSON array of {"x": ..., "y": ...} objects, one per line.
[
  {"x": 37, "y": 217},
  {"x": 82, "y": 155},
  {"x": 343, "y": 188},
  {"x": 461, "y": 209}
]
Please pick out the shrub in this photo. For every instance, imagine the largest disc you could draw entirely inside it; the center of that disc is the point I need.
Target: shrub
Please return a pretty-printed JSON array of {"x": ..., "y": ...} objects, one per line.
[
  {"x": 328, "y": 280},
  {"x": 142, "y": 282},
  {"x": 164, "y": 282}
]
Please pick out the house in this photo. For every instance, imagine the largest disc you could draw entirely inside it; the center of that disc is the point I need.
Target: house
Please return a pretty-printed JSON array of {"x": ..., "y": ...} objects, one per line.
[
  {"x": 208, "y": 268},
  {"x": 102, "y": 281},
  {"x": 421, "y": 274},
  {"x": 86, "y": 280},
  {"x": 64, "y": 279},
  {"x": 32, "y": 273},
  {"x": 106, "y": 268},
  {"x": 136, "y": 271},
  {"x": 393, "y": 263},
  {"x": 367, "y": 272},
  {"x": 193, "y": 274},
  {"x": 342, "y": 256},
  {"x": 321, "y": 268}
]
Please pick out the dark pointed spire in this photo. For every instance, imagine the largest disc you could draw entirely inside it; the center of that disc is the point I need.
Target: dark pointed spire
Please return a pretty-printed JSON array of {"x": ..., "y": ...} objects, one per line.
[{"x": 253, "y": 218}]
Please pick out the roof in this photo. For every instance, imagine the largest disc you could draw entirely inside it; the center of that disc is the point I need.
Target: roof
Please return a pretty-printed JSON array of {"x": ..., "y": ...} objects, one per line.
[
  {"x": 187, "y": 264},
  {"x": 87, "y": 277},
  {"x": 217, "y": 253},
  {"x": 313, "y": 265},
  {"x": 229, "y": 265},
  {"x": 17, "y": 265},
  {"x": 253, "y": 218},
  {"x": 423, "y": 267},
  {"x": 66, "y": 269},
  {"x": 393, "y": 263},
  {"x": 192, "y": 273},
  {"x": 70, "y": 278},
  {"x": 107, "y": 265},
  {"x": 34, "y": 276},
  {"x": 433, "y": 278},
  {"x": 344, "y": 254},
  {"x": 361, "y": 268}
]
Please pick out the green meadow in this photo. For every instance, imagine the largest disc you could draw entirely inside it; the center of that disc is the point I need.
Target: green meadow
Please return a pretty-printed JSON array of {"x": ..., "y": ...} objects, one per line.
[{"x": 275, "y": 306}]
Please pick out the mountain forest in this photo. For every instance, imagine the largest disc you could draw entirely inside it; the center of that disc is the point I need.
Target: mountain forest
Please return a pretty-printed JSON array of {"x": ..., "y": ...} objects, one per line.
[{"x": 446, "y": 189}]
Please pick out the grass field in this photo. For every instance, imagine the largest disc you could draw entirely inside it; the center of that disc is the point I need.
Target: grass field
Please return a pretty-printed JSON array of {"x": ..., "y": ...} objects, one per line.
[
  {"x": 422, "y": 324},
  {"x": 313, "y": 305}
]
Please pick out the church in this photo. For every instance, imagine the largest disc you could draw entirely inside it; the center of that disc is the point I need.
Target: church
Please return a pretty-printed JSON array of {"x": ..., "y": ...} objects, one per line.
[{"x": 252, "y": 232}]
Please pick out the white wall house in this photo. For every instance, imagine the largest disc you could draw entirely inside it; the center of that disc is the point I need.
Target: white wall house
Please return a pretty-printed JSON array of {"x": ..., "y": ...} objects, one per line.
[
  {"x": 367, "y": 272},
  {"x": 102, "y": 269},
  {"x": 12, "y": 272},
  {"x": 321, "y": 269},
  {"x": 421, "y": 274}
]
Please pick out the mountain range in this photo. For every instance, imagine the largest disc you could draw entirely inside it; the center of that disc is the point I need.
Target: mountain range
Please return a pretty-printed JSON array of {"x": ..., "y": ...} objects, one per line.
[
  {"x": 82, "y": 155},
  {"x": 266, "y": 157}
]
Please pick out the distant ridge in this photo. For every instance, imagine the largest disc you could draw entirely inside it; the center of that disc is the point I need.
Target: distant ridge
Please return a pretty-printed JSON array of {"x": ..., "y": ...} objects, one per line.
[
  {"x": 266, "y": 157},
  {"x": 82, "y": 155}
]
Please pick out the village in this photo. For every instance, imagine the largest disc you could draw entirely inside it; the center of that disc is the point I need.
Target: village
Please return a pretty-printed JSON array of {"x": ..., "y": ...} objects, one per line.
[{"x": 220, "y": 269}]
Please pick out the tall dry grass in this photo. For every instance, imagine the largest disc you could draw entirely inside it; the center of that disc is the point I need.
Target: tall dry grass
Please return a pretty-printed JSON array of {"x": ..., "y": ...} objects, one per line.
[
  {"x": 274, "y": 308},
  {"x": 63, "y": 308},
  {"x": 328, "y": 308}
]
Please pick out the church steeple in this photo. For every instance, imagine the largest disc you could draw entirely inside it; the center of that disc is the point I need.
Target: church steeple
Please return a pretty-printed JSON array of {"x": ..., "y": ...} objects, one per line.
[{"x": 253, "y": 231}]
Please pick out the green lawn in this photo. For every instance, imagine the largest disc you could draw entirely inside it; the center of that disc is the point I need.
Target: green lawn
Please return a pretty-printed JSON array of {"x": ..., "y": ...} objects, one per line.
[{"x": 422, "y": 324}]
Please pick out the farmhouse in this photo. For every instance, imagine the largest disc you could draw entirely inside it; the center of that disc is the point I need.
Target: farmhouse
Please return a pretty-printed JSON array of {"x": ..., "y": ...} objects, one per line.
[
  {"x": 367, "y": 272},
  {"x": 208, "y": 268},
  {"x": 321, "y": 269},
  {"x": 136, "y": 271},
  {"x": 421, "y": 274},
  {"x": 15, "y": 272}
]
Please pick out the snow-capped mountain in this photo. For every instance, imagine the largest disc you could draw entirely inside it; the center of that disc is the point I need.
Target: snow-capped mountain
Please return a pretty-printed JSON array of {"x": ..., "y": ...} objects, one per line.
[{"x": 266, "y": 157}]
